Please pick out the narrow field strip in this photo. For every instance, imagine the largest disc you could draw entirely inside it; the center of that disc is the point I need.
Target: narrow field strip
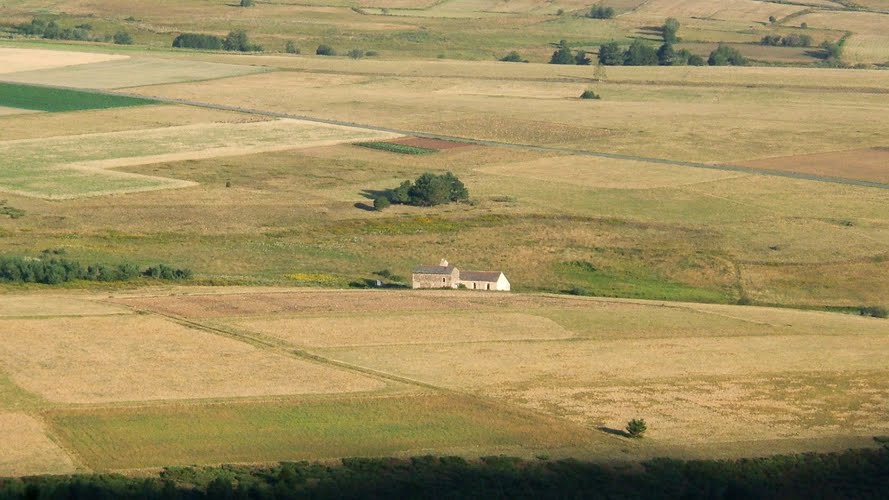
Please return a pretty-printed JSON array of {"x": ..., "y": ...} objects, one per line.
[
  {"x": 130, "y": 438},
  {"x": 77, "y": 166}
]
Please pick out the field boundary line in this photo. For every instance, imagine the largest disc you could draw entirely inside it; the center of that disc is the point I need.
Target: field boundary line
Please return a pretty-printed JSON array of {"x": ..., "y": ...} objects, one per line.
[{"x": 492, "y": 143}]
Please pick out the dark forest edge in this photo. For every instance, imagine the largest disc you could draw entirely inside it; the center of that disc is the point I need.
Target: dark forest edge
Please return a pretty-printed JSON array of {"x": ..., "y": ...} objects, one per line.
[{"x": 861, "y": 473}]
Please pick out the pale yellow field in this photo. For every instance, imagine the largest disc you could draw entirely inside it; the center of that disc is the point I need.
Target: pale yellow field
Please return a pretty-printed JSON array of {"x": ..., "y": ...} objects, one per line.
[
  {"x": 4, "y": 111},
  {"x": 15, "y": 60},
  {"x": 27, "y": 451},
  {"x": 44, "y": 125},
  {"x": 606, "y": 173},
  {"x": 130, "y": 72},
  {"x": 856, "y": 22},
  {"x": 867, "y": 48},
  {"x": 142, "y": 358},
  {"x": 727, "y": 10},
  {"x": 447, "y": 327},
  {"x": 16, "y": 306},
  {"x": 713, "y": 124},
  {"x": 76, "y": 166}
]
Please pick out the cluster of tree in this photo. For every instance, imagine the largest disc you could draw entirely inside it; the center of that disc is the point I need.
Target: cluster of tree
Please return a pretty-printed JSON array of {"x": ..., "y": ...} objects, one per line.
[
  {"x": 641, "y": 54},
  {"x": 51, "y": 270},
  {"x": 601, "y": 12},
  {"x": 51, "y": 30},
  {"x": 833, "y": 51},
  {"x": 236, "y": 41},
  {"x": 427, "y": 191},
  {"x": 787, "y": 40},
  {"x": 726, "y": 56},
  {"x": 564, "y": 55},
  {"x": 851, "y": 474}
]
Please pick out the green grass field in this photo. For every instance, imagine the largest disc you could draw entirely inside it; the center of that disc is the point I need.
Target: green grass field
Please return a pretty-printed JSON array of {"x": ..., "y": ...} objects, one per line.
[
  {"x": 404, "y": 425},
  {"x": 59, "y": 100},
  {"x": 396, "y": 148}
]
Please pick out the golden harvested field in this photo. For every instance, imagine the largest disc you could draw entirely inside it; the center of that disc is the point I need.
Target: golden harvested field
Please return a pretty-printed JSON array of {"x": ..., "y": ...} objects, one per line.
[
  {"x": 766, "y": 377},
  {"x": 725, "y": 10},
  {"x": 865, "y": 164},
  {"x": 101, "y": 359},
  {"x": 13, "y": 60},
  {"x": 26, "y": 449},
  {"x": 47, "y": 125},
  {"x": 661, "y": 120},
  {"x": 867, "y": 49},
  {"x": 12, "y": 306},
  {"x": 445, "y": 328},
  {"x": 606, "y": 173}
]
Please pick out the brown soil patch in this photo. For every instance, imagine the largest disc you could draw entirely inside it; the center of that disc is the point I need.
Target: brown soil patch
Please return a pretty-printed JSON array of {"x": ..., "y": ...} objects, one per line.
[
  {"x": 26, "y": 450},
  {"x": 422, "y": 142},
  {"x": 870, "y": 164},
  {"x": 139, "y": 358}
]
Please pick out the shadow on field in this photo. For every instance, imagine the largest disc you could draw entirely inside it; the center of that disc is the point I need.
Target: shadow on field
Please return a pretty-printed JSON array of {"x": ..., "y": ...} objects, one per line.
[
  {"x": 365, "y": 207},
  {"x": 614, "y": 432},
  {"x": 372, "y": 194}
]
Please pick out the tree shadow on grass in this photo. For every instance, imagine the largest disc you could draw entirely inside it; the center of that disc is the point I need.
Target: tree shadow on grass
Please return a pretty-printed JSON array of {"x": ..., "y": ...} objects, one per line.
[
  {"x": 365, "y": 207},
  {"x": 614, "y": 432},
  {"x": 372, "y": 194}
]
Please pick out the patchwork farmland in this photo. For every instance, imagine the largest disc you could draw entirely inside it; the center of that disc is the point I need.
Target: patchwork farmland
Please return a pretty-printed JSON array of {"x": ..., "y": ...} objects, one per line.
[{"x": 703, "y": 247}]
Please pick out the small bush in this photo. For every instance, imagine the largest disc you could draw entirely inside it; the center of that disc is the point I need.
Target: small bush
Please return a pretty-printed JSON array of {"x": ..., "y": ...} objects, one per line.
[
  {"x": 636, "y": 428},
  {"x": 356, "y": 53},
  {"x": 589, "y": 94},
  {"x": 773, "y": 19},
  {"x": 874, "y": 311},
  {"x": 804, "y": 26},
  {"x": 291, "y": 48},
  {"x": 513, "y": 57},
  {"x": 123, "y": 38},
  {"x": 381, "y": 203},
  {"x": 247, "y": 3},
  {"x": 371, "y": 53},
  {"x": 325, "y": 50},
  {"x": 601, "y": 12},
  {"x": 11, "y": 212}
]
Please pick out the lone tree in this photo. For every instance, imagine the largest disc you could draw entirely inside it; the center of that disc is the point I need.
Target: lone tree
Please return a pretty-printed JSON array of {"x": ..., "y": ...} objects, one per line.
[
  {"x": 670, "y": 30},
  {"x": 610, "y": 54},
  {"x": 636, "y": 428},
  {"x": 429, "y": 190}
]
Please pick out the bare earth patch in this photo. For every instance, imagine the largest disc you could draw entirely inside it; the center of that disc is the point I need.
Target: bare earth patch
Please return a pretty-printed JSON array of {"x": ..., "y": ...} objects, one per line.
[
  {"x": 141, "y": 358},
  {"x": 27, "y": 451},
  {"x": 870, "y": 164},
  {"x": 15, "y": 60}
]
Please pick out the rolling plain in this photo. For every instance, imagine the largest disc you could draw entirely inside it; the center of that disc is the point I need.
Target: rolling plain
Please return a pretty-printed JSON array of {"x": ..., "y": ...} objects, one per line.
[{"x": 693, "y": 249}]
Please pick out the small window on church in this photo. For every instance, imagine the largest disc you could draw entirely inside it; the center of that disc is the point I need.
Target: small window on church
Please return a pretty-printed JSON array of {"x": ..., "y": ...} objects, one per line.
[{"x": 444, "y": 280}]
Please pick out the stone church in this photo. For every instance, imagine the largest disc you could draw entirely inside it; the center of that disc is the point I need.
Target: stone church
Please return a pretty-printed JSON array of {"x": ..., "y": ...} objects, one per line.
[{"x": 445, "y": 275}]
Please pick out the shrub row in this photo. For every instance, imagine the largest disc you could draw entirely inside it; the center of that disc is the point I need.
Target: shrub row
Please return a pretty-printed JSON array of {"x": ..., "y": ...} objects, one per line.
[
  {"x": 54, "y": 270},
  {"x": 51, "y": 30},
  {"x": 851, "y": 474}
]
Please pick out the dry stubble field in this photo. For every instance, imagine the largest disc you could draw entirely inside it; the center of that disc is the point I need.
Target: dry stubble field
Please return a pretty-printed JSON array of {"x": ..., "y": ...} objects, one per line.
[{"x": 456, "y": 372}]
